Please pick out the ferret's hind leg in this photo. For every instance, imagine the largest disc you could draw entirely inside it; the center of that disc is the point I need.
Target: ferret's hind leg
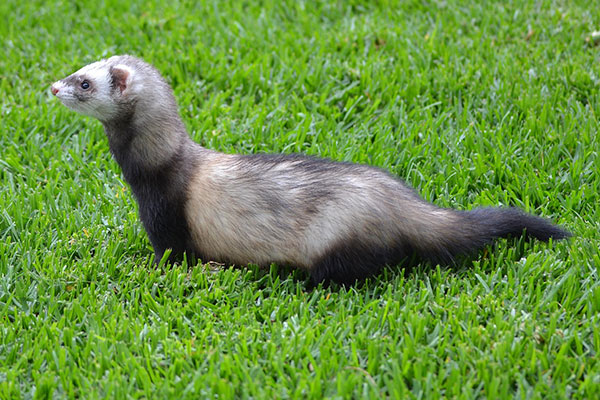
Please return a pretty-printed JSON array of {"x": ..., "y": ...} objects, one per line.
[{"x": 352, "y": 261}]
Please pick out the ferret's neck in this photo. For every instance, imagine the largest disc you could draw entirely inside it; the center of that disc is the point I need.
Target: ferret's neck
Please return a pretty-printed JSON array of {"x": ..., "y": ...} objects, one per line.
[{"x": 142, "y": 148}]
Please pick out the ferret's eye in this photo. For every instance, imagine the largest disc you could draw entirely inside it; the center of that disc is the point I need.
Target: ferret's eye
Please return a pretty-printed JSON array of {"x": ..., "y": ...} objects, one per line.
[{"x": 85, "y": 85}]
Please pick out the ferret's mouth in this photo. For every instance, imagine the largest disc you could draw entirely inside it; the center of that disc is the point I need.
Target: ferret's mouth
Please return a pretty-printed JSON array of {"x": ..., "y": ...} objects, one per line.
[
  {"x": 67, "y": 100},
  {"x": 57, "y": 87},
  {"x": 62, "y": 93}
]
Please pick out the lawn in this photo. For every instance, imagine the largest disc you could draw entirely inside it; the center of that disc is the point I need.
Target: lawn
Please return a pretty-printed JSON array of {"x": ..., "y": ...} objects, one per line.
[{"x": 489, "y": 104}]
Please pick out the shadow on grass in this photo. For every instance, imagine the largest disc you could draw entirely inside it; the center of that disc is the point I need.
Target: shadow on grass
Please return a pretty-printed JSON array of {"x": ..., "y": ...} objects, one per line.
[{"x": 277, "y": 277}]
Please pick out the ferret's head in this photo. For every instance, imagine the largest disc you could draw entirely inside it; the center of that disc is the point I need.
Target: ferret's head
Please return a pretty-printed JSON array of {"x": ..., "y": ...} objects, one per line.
[{"x": 111, "y": 88}]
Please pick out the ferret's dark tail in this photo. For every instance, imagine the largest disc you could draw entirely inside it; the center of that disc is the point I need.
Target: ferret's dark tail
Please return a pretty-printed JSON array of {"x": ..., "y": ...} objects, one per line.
[
  {"x": 502, "y": 222},
  {"x": 469, "y": 231}
]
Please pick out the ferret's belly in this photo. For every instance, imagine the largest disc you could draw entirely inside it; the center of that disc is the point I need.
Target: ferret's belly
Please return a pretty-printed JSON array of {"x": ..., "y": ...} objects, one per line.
[
  {"x": 228, "y": 235},
  {"x": 236, "y": 229}
]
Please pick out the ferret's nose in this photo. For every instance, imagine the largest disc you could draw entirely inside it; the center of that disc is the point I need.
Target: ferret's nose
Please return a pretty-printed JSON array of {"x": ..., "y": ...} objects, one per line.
[{"x": 54, "y": 90}]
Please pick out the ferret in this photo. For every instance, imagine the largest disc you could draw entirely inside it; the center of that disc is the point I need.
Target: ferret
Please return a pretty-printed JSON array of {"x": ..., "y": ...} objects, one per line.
[{"x": 341, "y": 222}]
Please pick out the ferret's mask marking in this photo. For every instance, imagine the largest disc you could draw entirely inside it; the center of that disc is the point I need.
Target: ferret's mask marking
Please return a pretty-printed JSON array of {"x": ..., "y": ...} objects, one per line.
[{"x": 108, "y": 84}]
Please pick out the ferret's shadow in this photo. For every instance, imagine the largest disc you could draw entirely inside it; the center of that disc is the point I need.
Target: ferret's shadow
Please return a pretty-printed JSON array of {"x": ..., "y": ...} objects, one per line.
[
  {"x": 412, "y": 267},
  {"x": 276, "y": 275}
]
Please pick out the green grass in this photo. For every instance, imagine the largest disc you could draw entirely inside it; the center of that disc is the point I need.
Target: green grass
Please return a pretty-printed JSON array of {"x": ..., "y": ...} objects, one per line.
[{"x": 472, "y": 104}]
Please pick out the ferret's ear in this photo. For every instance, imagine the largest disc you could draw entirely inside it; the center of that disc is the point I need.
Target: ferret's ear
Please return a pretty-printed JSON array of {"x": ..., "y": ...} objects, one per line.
[{"x": 121, "y": 76}]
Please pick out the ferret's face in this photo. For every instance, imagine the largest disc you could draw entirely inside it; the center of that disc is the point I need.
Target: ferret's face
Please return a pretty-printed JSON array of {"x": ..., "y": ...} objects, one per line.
[{"x": 94, "y": 90}]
